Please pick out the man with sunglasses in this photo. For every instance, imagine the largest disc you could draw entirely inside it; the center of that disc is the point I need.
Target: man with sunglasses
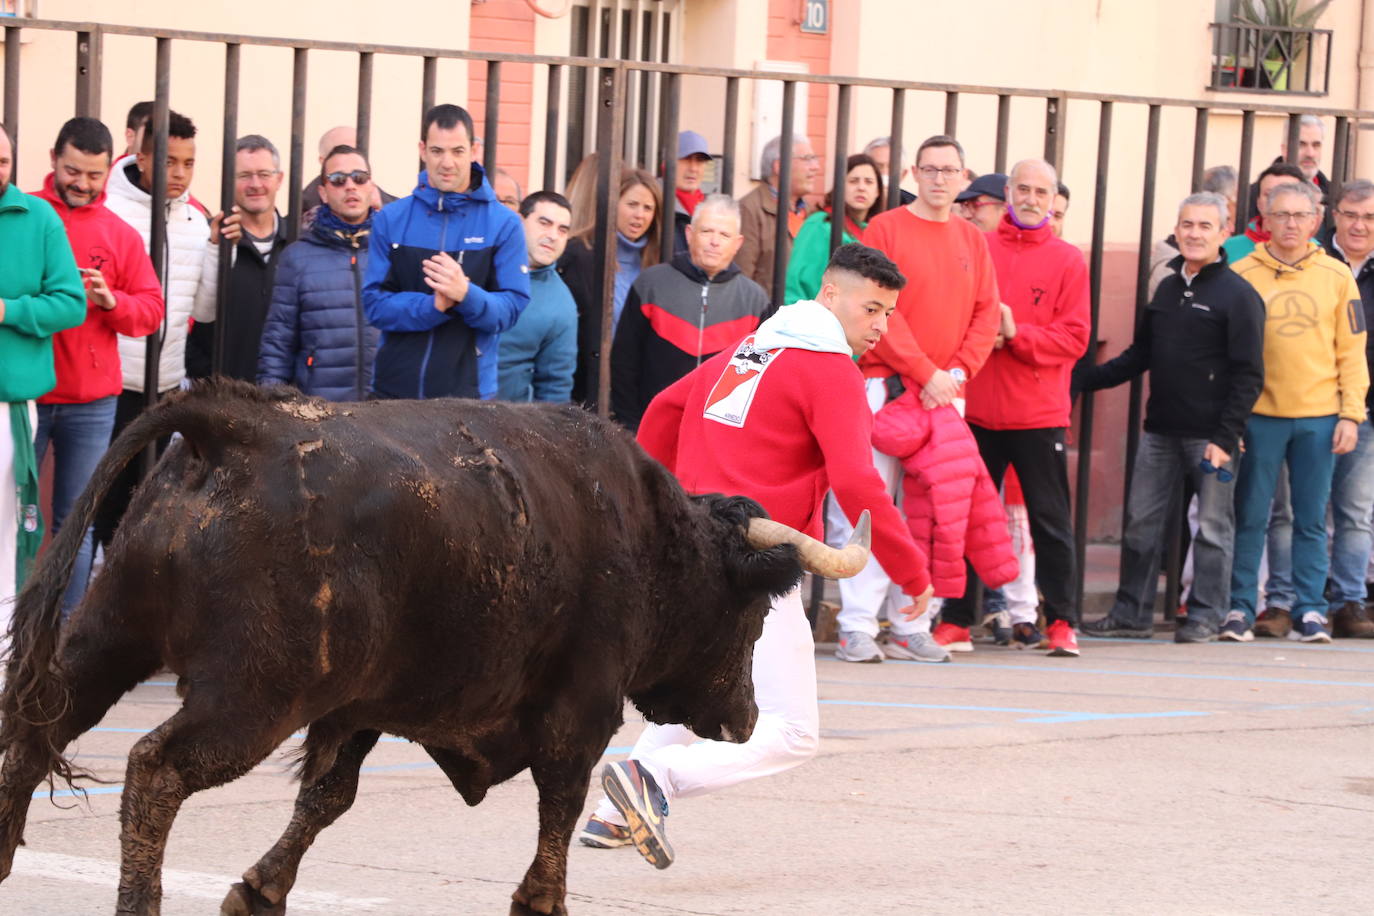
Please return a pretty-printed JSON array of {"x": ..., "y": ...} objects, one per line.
[
  {"x": 316, "y": 337},
  {"x": 259, "y": 235},
  {"x": 1202, "y": 341}
]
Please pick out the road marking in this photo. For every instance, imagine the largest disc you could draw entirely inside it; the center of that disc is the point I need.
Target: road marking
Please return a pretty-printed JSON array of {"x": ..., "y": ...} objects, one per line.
[
  {"x": 1035, "y": 716},
  {"x": 175, "y": 882}
]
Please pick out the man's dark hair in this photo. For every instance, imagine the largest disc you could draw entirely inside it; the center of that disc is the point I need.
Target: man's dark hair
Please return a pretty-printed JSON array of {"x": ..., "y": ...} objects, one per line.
[
  {"x": 1284, "y": 169},
  {"x": 447, "y": 117},
  {"x": 138, "y": 115},
  {"x": 1064, "y": 190},
  {"x": 869, "y": 263},
  {"x": 86, "y": 135},
  {"x": 178, "y": 126},
  {"x": 538, "y": 197},
  {"x": 342, "y": 149},
  {"x": 939, "y": 140}
]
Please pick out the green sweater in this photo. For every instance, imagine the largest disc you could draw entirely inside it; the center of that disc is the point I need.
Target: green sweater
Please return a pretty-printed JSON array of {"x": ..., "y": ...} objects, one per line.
[
  {"x": 810, "y": 254},
  {"x": 42, "y": 291}
]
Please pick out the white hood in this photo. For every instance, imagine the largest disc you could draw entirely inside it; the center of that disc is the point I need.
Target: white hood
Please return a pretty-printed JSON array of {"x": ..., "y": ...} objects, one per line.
[{"x": 804, "y": 325}]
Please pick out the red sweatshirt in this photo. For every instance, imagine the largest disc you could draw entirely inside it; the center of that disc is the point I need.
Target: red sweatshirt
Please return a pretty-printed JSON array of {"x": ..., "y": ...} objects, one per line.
[
  {"x": 947, "y": 314},
  {"x": 86, "y": 357},
  {"x": 1025, "y": 385},
  {"x": 782, "y": 427}
]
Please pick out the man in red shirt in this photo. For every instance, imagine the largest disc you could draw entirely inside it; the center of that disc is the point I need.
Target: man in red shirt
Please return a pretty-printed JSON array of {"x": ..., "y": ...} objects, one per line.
[
  {"x": 1018, "y": 406},
  {"x": 779, "y": 418},
  {"x": 123, "y": 296},
  {"x": 940, "y": 336}
]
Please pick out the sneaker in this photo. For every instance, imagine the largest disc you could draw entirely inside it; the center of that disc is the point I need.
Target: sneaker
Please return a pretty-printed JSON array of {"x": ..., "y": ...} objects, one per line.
[
  {"x": 1274, "y": 623},
  {"x": 914, "y": 647},
  {"x": 1063, "y": 641},
  {"x": 999, "y": 624},
  {"x": 1107, "y": 628},
  {"x": 602, "y": 834},
  {"x": 857, "y": 647},
  {"x": 1195, "y": 631},
  {"x": 954, "y": 638},
  {"x": 1027, "y": 636},
  {"x": 1235, "y": 628},
  {"x": 1312, "y": 628},
  {"x": 645, "y": 808},
  {"x": 1352, "y": 621}
]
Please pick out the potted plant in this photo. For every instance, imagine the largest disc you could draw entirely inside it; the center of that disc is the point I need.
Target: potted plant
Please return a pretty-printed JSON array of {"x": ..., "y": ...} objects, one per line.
[{"x": 1282, "y": 49}]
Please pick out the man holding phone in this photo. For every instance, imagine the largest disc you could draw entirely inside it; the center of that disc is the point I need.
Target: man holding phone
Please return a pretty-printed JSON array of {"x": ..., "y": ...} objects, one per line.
[{"x": 123, "y": 296}]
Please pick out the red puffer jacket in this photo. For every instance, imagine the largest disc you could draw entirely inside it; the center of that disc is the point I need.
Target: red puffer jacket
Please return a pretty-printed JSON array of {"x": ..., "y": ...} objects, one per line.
[{"x": 951, "y": 505}]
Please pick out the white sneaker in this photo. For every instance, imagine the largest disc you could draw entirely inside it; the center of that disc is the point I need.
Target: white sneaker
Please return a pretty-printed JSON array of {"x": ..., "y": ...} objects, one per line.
[
  {"x": 857, "y": 647},
  {"x": 914, "y": 647}
]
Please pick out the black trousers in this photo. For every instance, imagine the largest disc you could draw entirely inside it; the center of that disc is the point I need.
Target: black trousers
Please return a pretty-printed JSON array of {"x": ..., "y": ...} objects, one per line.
[
  {"x": 1041, "y": 462},
  {"x": 127, "y": 408}
]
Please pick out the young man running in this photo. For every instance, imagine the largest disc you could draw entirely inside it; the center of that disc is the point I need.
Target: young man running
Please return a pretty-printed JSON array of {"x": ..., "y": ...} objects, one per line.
[{"x": 781, "y": 418}]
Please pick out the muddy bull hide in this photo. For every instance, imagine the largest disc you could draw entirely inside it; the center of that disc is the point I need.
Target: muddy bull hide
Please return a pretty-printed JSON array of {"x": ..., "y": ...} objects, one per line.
[{"x": 490, "y": 581}]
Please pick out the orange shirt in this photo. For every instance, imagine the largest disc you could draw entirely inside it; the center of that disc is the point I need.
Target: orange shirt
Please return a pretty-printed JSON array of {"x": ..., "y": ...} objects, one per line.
[{"x": 948, "y": 312}]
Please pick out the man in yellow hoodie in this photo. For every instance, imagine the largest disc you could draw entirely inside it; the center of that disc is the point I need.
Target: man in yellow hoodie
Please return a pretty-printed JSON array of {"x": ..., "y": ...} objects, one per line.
[{"x": 1315, "y": 379}]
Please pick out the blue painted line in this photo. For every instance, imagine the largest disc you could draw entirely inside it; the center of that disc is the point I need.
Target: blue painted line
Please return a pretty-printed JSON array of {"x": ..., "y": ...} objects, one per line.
[
  {"x": 1036, "y": 716},
  {"x": 1074, "y": 669}
]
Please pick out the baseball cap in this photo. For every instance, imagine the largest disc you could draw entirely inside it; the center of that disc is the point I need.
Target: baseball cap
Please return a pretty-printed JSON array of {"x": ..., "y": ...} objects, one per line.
[
  {"x": 993, "y": 184},
  {"x": 691, "y": 143}
]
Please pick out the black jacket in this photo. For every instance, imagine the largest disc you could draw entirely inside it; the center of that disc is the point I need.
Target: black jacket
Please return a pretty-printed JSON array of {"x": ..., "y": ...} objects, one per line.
[
  {"x": 1322, "y": 182},
  {"x": 1365, "y": 281},
  {"x": 1203, "y": 346},
  {"x": 250, "y": 296},
  {"x": 578, "y": 268}
]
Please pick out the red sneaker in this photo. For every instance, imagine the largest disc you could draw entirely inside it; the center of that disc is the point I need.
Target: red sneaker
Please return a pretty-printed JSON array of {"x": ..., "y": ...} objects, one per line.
[
  {"x": 953, "y": 638},
  {"x": 1063, "y": 640}
]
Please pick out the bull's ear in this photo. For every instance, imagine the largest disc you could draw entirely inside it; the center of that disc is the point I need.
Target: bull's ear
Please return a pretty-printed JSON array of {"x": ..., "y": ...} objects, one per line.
[{"x": 775, "y": 570}]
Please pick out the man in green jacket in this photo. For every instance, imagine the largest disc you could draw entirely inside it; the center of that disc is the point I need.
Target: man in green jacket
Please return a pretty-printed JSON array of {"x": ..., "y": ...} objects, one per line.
[{"x": 41, "y": 293}]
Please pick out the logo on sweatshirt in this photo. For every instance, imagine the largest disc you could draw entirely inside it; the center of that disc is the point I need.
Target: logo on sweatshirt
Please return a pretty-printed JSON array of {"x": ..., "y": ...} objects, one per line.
[
  {"x": 474, "y": 240},
  {"x": 1036, "y": 295},
  {"x": 1292, "y": 313},
  {"x": 733, "y": 394}
]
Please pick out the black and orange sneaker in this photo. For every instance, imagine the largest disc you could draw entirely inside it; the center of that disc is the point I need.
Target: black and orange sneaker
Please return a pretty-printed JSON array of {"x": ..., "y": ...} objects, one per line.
[
  {"x": 644, "y": 806},
  {"x": 602, "y": 834}
]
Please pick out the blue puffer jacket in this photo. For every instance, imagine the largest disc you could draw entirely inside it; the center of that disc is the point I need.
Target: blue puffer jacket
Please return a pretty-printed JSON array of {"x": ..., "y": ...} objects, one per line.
[
  {"x": 316, "y": 337},
  {"x": 425, "y": 353}
]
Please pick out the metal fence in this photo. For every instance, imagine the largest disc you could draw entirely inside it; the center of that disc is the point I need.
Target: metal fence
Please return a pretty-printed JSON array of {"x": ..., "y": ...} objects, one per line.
[{"x": 613, "y": 81}]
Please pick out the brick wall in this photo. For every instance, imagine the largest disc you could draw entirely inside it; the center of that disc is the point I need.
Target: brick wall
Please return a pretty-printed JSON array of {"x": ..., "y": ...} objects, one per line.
[{"x": 507, "y": 26}]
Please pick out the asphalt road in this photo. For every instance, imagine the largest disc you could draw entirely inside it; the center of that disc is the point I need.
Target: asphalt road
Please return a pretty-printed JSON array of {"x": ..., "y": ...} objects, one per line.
[{"x": 1143, "y": 778}]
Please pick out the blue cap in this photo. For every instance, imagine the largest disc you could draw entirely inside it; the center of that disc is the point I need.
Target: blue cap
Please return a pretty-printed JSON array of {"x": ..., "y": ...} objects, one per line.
[{"x": 691, "y": 143}]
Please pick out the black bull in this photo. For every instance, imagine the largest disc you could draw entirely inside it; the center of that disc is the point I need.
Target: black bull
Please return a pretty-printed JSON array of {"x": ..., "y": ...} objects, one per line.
[{"x": 490, "y": 581}]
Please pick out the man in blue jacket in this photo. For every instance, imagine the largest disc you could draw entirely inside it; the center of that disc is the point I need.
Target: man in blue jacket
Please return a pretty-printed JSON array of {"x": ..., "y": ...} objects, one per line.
[
  {"x": 447, "y": 273},
  {"x": 315, "y": 336},
  {"x": 539, "y": 354}
]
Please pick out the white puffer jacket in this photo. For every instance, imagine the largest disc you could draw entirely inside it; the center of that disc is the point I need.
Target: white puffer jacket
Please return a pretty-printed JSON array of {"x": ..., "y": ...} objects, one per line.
[{"x": 188, "y": 235}]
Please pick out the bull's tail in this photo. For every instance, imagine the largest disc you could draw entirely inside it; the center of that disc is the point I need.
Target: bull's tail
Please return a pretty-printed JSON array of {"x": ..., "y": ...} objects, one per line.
[{"x": 35, "y": 694}]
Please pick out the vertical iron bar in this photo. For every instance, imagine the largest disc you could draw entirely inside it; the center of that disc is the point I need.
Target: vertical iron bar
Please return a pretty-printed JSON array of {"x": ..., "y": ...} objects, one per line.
[
  {"x": 1142, "y": 297},
  {"x": 1291, "y": 143},
  {"x": 611, "y": 98},
  {"x": 672, "y": 107},
  {"x": 298, "y": 81},
  {"x": 429, "y": 79},
  {"x": 89, "y": 61},
  {"x": 838, "y": 213},
  {"x": 781, "y": 229},
  {"x": 951, "y": 114},
  {"x": 493, "y": 118},
  {"x": 1340, "y": 165},
  {"x": 1056, "y": 114},
  {"x": 552, "y": 109},
  {"x": 1199, "y": 149},
  {"x": 895, "y": 154},
  {"x": 12, "y": 36},
  {"x": 652, "y": 88},
  {"x": 1326, "y": 79},
  {"x": 364, "y": 120},
  {"x": 1003, "y": 130},
  {"x": 634, "y": 86},
  {"x": 731, "y": 132},
  {"x": 1247, "y": 148},
  {"x": 226, "y": 195},
  {"x": 157, "y": 228},
  {"x": 1085, "y": 424}
]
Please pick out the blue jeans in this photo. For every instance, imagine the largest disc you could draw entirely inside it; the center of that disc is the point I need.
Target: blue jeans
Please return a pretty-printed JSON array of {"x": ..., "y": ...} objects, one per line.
[
  {"x": 80, "y": 434},
  {"x": 1352, "y": 501},
  {"x": 1304, "y": 443}
]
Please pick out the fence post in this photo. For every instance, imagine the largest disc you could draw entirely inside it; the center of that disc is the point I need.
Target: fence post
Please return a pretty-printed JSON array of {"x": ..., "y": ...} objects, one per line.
[
  {"x": 609, "y": 126},
  {"x": 298, "y": 81},
  {"x": 89, "y": 47},
  {"x": 226, "y": 194}
]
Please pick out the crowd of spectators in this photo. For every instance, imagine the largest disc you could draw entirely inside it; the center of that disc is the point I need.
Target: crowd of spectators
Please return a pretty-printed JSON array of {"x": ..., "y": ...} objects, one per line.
[{"x": 466, "y": 287}]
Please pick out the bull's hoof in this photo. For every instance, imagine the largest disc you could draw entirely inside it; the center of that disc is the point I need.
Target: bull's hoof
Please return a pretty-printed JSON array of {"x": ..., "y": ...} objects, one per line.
[
  {"x": 243, "y": 900},
  {"x": 547, "y": 904}
]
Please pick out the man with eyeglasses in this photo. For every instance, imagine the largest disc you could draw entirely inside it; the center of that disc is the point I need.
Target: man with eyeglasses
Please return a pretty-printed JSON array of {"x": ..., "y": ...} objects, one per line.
[
  {"x": 1311, "y": 408},
  {"x": 259, "y": 235},
  {"x": 759, "y": 209},
  {"x": 1351, "y": 241},
  {"x": 941, "y": 334},
  {"x": 1202, "y": 341},
  {"x": 315, "y": 336}
]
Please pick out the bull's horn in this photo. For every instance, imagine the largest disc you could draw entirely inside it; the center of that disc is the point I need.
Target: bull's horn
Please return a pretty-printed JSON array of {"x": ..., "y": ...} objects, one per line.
[{"x": 816, "y": 557}]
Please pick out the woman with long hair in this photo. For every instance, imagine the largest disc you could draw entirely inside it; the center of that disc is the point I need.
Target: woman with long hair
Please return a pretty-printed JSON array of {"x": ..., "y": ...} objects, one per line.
[{"x": 863, "y": 199}]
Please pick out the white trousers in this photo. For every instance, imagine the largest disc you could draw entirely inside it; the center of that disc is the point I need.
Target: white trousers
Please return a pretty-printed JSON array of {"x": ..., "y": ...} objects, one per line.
[
  {"x": 787, "y": 733},
  {"x": 1023, "y": 602},
  {"x": 9, "y": 519}
]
